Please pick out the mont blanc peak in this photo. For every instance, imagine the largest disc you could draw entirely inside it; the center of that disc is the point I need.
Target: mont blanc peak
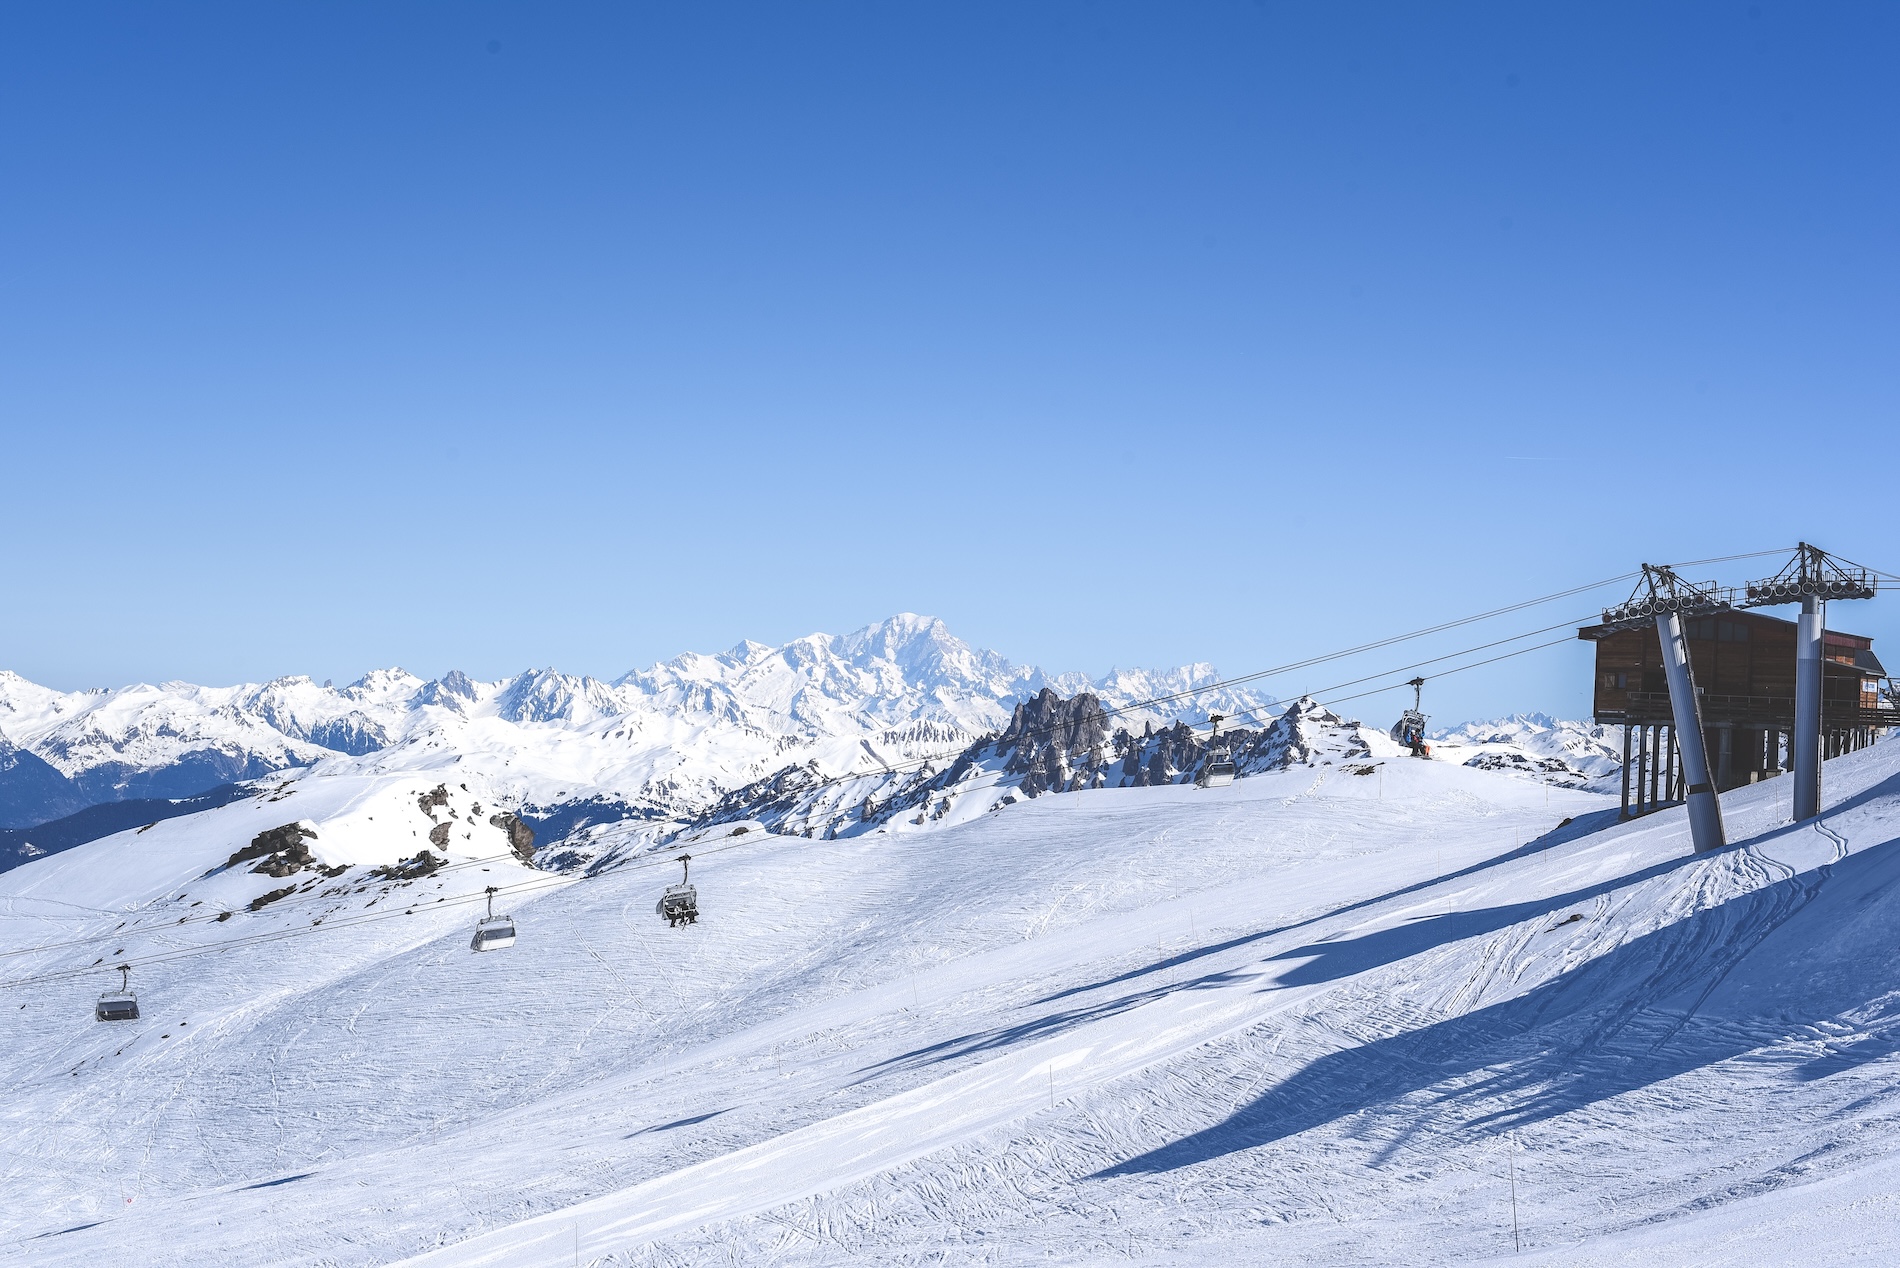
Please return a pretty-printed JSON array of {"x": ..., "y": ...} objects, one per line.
[{"x": 665, "y": 741}]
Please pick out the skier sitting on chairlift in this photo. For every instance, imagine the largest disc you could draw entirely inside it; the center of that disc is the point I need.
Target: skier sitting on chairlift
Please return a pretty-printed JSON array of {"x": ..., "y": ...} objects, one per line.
[{"x": 1409, "y": 730}]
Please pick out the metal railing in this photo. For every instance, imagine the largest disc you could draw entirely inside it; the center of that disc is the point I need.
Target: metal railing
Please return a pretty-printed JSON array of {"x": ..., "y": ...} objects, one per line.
[{"x": 1769, "y": 710}]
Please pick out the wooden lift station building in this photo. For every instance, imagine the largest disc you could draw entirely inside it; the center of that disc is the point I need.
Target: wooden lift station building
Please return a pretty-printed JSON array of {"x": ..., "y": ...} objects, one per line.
[{"x": 1744, "y": 668}]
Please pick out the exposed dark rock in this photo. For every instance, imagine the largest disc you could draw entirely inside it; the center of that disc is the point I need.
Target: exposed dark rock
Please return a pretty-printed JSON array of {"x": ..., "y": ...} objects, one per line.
[
  {"x": 439, "y": 835},
  {"x": 520, "y": 835},
  {"x": 264, "y": 900},
  {"x": 423, "y": 864},
  {"x": 1049, "y": 723},
  {"x": 437, "y": 796},
  {"x": 282, "y": 850},
  {"x": 1554, "y": 769}
]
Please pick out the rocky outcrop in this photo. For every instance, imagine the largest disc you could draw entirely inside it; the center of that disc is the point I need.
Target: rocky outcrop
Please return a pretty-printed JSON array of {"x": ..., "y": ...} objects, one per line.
[
  {"x": 1056, "y": 745},
  {"x": 1047, "y": 722},
  {"x": 1306, "y": 734},
  {"x": 457, "y": 683},
  {"x": 410, "y": 869},
  {"x": 1551, "y": 769},
  {"x": 520, "y": 835},
  {"x": 281, "y": 849}
]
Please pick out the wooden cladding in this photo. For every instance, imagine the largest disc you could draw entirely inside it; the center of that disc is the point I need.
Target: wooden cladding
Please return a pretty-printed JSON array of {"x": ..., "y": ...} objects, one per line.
[{"x": 1744, "y": 671}]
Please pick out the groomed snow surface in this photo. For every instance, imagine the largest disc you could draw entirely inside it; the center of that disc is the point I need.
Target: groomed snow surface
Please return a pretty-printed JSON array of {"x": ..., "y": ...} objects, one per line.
[{"x": 1316, "y": 1017}]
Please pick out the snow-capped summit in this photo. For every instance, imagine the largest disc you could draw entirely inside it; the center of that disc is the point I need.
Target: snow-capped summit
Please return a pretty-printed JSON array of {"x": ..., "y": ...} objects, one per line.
[
  {"x": 1534, "y": 744},
  {"x": 904, "y": 669},
  {"x": 665, "y": 741},
  {"x": 546, "y": 695}
]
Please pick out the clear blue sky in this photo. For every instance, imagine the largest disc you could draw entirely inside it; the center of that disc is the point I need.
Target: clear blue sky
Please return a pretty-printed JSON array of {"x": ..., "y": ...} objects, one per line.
[{"x": 335, "y": 336}]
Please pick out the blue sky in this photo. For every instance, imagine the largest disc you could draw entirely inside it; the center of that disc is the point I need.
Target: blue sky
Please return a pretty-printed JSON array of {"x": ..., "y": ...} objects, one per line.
[{"x": 503, "y": 335}]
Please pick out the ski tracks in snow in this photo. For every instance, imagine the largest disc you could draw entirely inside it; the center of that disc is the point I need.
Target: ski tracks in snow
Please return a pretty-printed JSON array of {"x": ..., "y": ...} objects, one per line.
[{"x": 1320, "y": 1064}]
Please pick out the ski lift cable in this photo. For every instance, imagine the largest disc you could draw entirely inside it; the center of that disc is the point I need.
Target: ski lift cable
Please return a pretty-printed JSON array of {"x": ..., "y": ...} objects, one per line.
[
  {"x": 278, "y": 935},
  {"x": 397, "y": 911},
  {"x": 290, "y": 903},
  {"x": 657, "y": 860},
  {"x": 552, "y": 882},
  {"x": 1456, "y": 669},
  {"x": 1726, "y": 559},
  {"x": 1365, "y": 647},
  {"x": 542, "y": 881},
  {"x": 1134, "y": 706},
  {"x": 635, "y": 865},
  {"x": 1255, "y": 676},
  {"x": 1403, "y": 669},
  {"x": 306, "y": 902},
  {"x": 1878, "y": 572},
  {"x": 402, "y": 910},
  {"x": 1406, "y": 669}
]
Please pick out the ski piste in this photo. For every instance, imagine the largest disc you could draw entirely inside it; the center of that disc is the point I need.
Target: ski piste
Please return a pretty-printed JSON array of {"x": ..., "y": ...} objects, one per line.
[{"x": 1294, "y": 1019}]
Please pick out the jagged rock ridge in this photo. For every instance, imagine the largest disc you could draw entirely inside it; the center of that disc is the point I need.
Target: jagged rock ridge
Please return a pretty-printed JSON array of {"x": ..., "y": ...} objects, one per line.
[{"x": 664, "y": 743}]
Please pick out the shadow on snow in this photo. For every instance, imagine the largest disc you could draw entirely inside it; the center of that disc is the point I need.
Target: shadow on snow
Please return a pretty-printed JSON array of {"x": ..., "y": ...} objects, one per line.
[
  {"x": 1581, "y": 826},
  {"x": 1624, "y": 1020}
]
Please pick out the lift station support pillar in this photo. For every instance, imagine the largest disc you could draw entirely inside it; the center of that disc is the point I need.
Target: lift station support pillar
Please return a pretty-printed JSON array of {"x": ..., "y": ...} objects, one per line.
[
  {"x": 1810, "y": 634},
  {"x": 1705, "y": 810}
]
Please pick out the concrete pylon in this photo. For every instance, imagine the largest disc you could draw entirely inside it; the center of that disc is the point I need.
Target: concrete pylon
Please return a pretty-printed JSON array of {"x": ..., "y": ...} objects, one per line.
[
  {"x": 1809, "y": 637},
  {"x": 1705, "y": 809}
]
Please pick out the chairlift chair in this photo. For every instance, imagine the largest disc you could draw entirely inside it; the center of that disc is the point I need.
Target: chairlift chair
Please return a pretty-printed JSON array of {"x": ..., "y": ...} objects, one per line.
[
  {"x": 679, "y": 905},
  {"x": 1218, "y": 771},
  {"x": 122, "y": 1004},
  {"x": 1409, "y": 730},
  {"x": 493, "y": 932}
]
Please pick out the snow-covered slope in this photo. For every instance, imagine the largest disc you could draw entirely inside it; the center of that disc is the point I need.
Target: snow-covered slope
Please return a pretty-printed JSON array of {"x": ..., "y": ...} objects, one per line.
[
  {"x": 1300, "y": 1019},
  {"x": 662, "y": 742}
]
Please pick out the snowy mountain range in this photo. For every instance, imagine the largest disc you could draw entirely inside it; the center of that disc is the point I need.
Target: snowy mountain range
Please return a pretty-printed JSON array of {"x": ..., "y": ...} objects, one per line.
[
  {"x": 1558, "y": 750},
  {"x": 659, "y": 742}
]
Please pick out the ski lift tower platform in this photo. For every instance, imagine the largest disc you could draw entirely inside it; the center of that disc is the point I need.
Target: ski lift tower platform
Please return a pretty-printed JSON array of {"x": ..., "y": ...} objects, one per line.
[{"x": 1744, "y": 669}]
